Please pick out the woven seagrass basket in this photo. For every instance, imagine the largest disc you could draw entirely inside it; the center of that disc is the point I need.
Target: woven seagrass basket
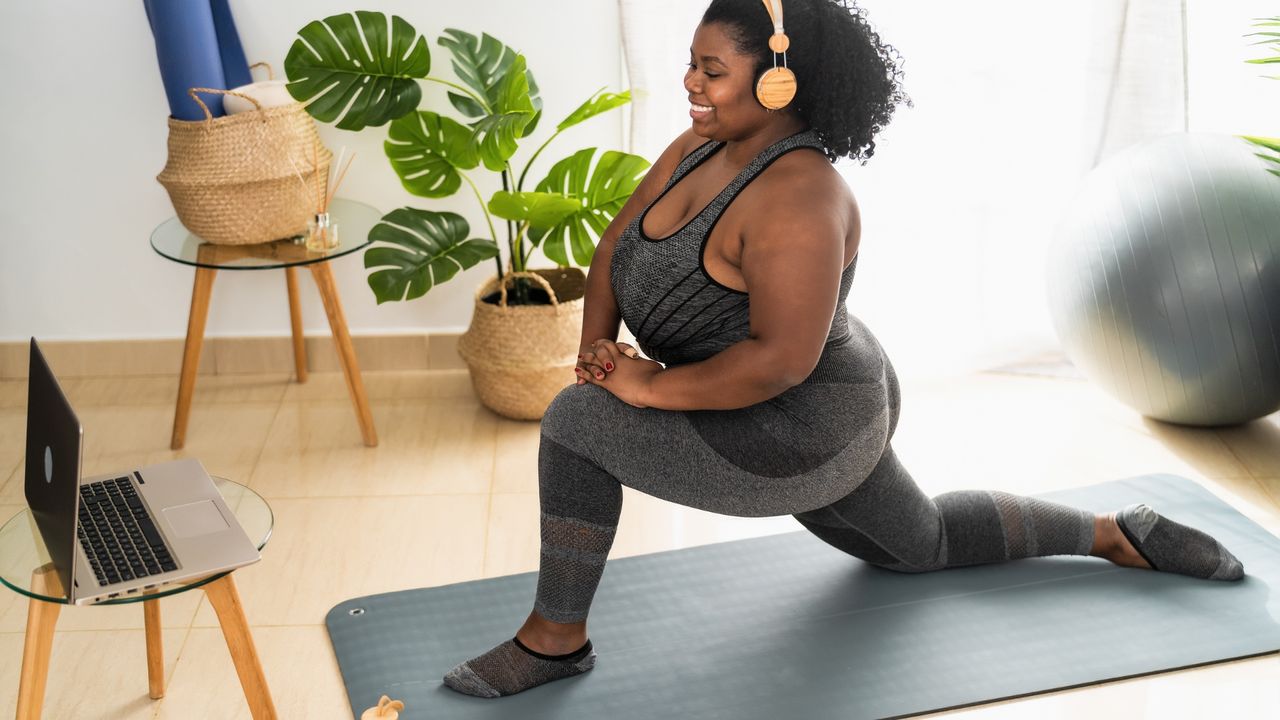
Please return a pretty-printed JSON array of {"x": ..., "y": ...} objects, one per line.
[
  {"x": 522, "y": 356},
  {"x": 247, "y": 178}
]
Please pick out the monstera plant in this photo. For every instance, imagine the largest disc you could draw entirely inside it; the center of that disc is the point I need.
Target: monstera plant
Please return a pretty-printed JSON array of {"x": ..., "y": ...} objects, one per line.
[
  {"x": 1270, "y": 33},
  {"x": 361, "y": 70}
]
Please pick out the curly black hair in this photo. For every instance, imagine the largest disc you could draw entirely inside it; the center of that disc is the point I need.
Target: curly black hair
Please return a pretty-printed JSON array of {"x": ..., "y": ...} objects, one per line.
[{"x": 848, "y": 81}]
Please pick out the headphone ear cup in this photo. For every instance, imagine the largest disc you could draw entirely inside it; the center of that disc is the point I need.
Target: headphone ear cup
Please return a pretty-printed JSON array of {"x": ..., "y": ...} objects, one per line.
[{"x": 776, "y": 87}]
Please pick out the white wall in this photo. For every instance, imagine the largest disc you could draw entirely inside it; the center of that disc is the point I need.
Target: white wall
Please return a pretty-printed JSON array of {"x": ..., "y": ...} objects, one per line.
[
  {"x": 1227, "y": 94},
  {"x": 82, "y": 137},
  {"x": 1012, "y": 109}
]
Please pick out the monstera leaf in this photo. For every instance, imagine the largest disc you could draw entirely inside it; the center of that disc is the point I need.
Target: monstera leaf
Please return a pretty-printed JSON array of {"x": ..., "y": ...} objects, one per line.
[
  {"x": 1272, "y": 144},
  {"x": 536, "y": 208},
  {"x": 357, "y": 65},
  {"x": 595, "y": 105},
  {"x": 482, "y": 64},
  {"x": 495, "y": 136},
  {"x": 599, "y": 196},
  {"x": 428, "y": 249},
  {"x": 427, "y": 150}
]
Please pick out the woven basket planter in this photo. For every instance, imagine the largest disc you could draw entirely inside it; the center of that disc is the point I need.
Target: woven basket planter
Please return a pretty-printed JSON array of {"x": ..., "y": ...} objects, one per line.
[
  {"x": 247, "y": 178},
  {"x": 522, "y": 356}
]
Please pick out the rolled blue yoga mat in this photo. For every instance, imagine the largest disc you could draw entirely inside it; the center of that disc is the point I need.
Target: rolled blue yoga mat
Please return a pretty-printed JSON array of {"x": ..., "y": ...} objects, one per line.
[
  {"x": 235, "y": 69},
  {"x": 196, "y": 46}
]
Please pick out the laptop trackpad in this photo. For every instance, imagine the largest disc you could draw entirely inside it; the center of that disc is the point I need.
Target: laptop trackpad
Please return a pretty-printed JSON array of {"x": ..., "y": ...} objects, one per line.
[{"x": 194, "y": 519}]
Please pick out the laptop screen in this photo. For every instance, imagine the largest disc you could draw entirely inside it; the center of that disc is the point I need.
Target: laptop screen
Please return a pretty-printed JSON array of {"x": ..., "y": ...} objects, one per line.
[{"x": 53, "y": 464}]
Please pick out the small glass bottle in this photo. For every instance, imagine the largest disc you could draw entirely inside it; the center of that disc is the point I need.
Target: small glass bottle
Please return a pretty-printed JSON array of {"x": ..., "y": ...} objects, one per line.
[{"x": 322, "y": 233}]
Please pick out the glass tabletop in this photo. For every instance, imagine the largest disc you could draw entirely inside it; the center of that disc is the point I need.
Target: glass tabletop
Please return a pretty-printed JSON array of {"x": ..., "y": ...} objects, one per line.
[
  {"x": 354, "y": 219},
  {"x": 23, "y": 554}
]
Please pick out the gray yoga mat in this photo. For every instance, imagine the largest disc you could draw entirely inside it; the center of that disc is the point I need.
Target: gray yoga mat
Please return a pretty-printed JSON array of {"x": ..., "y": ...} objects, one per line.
[{"x": 787, "y": 626}]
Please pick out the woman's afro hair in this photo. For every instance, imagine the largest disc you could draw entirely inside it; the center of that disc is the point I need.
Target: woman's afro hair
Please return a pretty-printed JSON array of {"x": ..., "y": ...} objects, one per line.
[{"x": 848, "y": 81}]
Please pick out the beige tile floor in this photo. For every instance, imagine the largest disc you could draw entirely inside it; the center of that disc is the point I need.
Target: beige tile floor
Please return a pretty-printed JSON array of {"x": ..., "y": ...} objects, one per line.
[{"x": 451, "y": 495}]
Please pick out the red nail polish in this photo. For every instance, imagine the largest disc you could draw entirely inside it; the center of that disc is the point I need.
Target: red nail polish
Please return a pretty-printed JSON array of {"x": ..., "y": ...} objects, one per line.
[{"x": 608, "y": 366}]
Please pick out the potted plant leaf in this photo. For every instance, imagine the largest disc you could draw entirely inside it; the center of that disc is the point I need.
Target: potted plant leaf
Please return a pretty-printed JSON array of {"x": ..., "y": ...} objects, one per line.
[
  {"x": 360, "y": 70},
  {"x": 1270, "y": 33}
]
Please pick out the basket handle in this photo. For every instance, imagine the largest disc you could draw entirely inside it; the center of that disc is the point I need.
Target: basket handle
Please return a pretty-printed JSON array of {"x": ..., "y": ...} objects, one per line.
[
  {"x": 271, "y": 75},
  {"x": 208, "y": 116},
  {"x": 502, "y": 286}
]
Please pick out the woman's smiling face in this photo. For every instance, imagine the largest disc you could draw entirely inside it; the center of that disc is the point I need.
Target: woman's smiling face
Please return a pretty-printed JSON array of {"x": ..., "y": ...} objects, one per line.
[{"x": 721, "y": 78}]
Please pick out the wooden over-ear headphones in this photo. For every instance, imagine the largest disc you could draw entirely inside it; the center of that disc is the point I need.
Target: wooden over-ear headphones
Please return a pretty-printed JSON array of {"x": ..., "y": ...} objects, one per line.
[{"x": 776, "y": 86}]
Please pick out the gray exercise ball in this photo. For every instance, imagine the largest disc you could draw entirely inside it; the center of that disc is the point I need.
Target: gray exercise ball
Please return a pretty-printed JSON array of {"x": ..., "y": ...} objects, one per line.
[{"x": 1164, "y": 284}]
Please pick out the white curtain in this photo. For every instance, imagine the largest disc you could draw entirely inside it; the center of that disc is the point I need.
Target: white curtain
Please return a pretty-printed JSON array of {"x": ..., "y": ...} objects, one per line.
[{"x": 1014, "y": 102}]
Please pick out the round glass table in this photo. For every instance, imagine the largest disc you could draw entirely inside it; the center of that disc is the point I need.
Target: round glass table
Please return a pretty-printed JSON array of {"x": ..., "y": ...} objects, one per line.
[
  {"x": 355, "y": 219},
  {"x": 172, "y": 241},
  {"x": 23, "y": 555},
  {"x": 25, "y": 568}
]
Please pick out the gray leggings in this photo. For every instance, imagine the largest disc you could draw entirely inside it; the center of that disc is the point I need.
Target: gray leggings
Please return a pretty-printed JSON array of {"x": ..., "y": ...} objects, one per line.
[{"x": 592, "y": 443}]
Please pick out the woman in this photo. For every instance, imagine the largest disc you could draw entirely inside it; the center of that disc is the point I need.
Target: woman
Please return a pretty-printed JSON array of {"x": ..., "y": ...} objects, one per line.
[{"x": 773, "y": 399}]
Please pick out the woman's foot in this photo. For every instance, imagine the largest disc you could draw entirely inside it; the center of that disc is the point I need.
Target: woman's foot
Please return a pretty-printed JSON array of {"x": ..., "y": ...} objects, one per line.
[
  {"x": 1110, "y": 543},
  {"x": 1138, "y": 536},
  {"x": 540, "y": 652}
]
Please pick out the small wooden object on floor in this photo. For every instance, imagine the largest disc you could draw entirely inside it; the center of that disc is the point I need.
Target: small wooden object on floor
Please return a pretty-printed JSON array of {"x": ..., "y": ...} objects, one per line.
[{"x": 387, "y": 709}]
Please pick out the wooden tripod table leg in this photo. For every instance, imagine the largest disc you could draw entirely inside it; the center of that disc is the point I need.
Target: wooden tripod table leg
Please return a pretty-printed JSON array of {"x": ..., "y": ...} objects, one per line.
[
  {"x": 42, "y": 617},
  {"x": 295, "y": 321},
  {"x": 342, "y": 340},
  {"x": 200, "y": 294},
  {"x": 155, "y": 648},
  {"x": 225, "y": 600}
]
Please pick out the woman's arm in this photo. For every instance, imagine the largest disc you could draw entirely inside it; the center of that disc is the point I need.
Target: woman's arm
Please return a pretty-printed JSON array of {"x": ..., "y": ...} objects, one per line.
[
  {"x": 792, "y": 260},
  {"x": 600, "y": 316}
]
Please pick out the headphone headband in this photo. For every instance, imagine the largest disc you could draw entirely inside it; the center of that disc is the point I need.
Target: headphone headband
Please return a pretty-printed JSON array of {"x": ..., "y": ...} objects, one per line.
[{"x": 774, "y": 8}]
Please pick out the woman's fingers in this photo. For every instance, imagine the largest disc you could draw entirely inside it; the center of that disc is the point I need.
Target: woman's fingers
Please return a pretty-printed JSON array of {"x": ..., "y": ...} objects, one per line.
[
  {"x": 589, "y": 364},
  {"x": 595, "y": 363},
  {"x": 606, "y": 355}
]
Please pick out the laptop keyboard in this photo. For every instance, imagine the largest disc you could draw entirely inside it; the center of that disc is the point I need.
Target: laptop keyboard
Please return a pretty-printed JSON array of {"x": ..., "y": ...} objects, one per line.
[{"x": 118, "y": 535}]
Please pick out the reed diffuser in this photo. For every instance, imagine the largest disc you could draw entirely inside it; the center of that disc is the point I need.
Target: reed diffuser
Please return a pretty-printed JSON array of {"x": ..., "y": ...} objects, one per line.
[{"x": 322, "y": 232}]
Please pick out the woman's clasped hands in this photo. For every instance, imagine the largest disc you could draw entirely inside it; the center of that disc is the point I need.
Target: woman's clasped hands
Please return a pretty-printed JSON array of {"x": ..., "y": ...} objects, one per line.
[{"x": 618, "y": 368}]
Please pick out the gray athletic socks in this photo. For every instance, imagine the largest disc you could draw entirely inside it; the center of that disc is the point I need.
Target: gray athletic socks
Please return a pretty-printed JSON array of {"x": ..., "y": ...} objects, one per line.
[
  {"x": 1172, "y": 547},
  {"x": 511, "y": 667}
]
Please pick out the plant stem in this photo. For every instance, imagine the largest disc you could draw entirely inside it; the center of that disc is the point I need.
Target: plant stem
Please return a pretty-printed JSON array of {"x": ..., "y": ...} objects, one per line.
[
  {"x": 468, "y": 91},
  {"x": 506, "y": 180},
  {"x": 529, "y": 164},
  {"x": 517, "y": 250},
  {"x": 522, "y": 291},
  {"x": 493, "y": 234}
]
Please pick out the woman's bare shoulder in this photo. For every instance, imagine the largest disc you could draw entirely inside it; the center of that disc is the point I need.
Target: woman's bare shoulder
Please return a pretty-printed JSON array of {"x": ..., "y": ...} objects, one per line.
[
  {"x": 805, "y": 174},
  {"x": 806, "y": 183}
]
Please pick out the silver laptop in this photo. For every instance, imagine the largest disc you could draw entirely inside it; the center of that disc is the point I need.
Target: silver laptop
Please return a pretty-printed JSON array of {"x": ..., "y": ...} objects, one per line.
[{"x": 122, "y": 533}]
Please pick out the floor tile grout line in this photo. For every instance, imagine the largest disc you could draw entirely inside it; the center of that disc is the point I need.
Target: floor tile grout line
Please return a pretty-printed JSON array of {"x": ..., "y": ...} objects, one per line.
[
  {"x": 177, "y": 658},
  {"x": 1251, "y": 474},
  {"x": 377, "y": 496},
  {"x": 13, "y": 473},
  {"x": 262, "y": 449},
  {"x": 488, "y": 508},
  {"x": 193, "y": 626}
]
